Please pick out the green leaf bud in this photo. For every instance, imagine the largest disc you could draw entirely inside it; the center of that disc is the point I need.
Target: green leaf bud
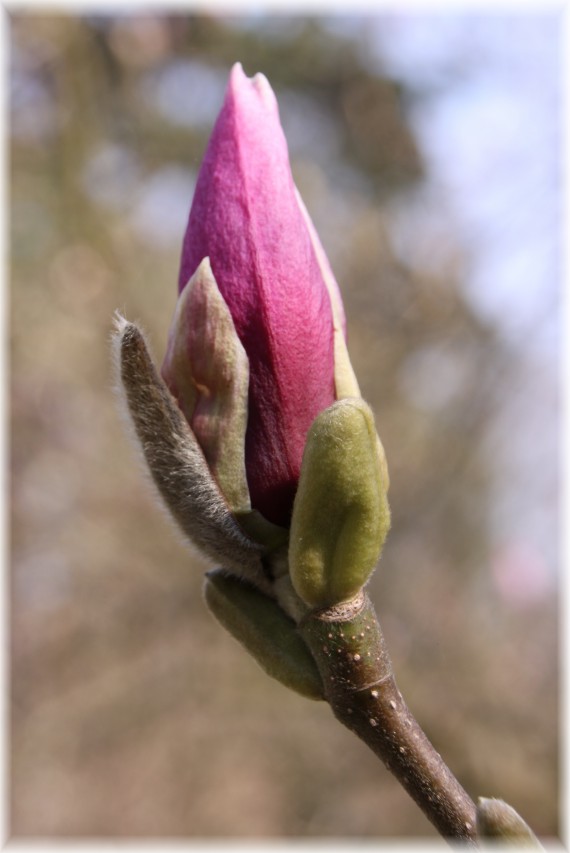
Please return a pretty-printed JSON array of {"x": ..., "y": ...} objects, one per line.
[
  {"x": 500, "y": 823},
  {"x": 340, "y": 515},
  {"x": 268, "y": 634}
]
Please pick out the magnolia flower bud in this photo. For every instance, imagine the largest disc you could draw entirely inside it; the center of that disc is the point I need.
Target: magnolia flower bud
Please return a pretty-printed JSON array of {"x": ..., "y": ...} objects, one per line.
[
  {"x": 246, "y": 219},
  {"x": 341, "y": 515},
  {"x": 257, "y": 361}
]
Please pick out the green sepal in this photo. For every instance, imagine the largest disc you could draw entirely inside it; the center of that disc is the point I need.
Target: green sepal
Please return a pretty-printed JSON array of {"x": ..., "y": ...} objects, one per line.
[
  {"x": 258, "y": 528},
  {"x": 207, "y": 370},
  {"x": 268, "y": 634},
  {"x": 340, "y": 514},
  {"x": 499, "y": 823},
  {"x": 345, "y": 382}
]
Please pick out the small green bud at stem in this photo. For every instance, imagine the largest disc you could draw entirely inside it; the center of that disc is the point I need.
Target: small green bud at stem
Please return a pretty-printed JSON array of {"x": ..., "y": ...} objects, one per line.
[
  {"x": 268, "y": 634},
  {"x": 500, "y": 823},
  {"x": 340, "y": 515}
]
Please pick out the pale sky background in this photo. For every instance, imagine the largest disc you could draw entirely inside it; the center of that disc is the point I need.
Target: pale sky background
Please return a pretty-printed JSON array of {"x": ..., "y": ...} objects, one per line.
[{"x": 491, "y": 131}]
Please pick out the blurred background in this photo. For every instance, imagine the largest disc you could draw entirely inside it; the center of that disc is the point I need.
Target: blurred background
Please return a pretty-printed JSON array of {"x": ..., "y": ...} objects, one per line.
[{"x": 427, "y": 149}]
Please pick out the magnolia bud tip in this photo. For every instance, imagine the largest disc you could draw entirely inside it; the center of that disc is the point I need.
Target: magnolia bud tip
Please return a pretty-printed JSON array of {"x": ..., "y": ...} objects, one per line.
[
  {"x": 119, "y": 323},
  {"x": 259, "y": 83}
]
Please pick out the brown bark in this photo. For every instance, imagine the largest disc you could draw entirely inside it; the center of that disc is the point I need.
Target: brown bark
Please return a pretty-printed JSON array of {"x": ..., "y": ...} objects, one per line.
[{"x": 351, "y": 654}]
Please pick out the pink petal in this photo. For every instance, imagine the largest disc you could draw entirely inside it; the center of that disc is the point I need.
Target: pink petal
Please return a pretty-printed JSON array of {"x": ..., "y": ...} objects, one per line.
[{"x": 246, "y": 218}]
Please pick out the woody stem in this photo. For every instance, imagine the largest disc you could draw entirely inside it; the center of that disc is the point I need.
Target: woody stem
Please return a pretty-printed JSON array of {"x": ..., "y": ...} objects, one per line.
[{"x": 350, "y": 651}]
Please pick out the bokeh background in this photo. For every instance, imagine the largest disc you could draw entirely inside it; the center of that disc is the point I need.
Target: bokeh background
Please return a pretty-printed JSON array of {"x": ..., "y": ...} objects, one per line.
[{"x": 427, "y": 148}]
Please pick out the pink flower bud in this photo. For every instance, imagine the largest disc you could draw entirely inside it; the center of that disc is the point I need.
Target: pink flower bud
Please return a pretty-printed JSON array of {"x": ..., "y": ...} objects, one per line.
[{"x": 247, "y": 219}]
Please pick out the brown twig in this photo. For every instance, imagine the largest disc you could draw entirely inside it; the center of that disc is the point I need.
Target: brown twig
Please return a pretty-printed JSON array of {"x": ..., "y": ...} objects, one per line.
[{"x": 350, "y": 651}]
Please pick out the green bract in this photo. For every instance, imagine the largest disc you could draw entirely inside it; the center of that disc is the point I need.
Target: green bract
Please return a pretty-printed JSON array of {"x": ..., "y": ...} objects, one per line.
[
  {"x": 259, "y": 624},
  {"x": 207, "y": 370},
  {"x": 499, "y": 823},
  {"x": 341, "y": 514}
]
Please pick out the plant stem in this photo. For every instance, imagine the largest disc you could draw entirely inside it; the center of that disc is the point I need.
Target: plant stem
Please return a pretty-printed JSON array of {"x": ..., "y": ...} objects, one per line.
[{"x": 349, "y": 649}]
